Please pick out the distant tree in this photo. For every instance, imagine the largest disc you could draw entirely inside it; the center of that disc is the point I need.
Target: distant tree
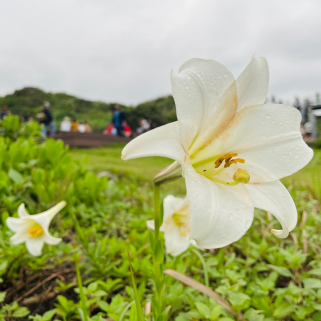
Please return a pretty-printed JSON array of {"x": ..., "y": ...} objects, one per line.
[{"x": 27, "y": 102}]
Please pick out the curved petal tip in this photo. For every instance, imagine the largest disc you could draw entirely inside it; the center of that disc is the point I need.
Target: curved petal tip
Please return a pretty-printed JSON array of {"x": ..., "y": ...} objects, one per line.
[{"x": 282, "y": 234}]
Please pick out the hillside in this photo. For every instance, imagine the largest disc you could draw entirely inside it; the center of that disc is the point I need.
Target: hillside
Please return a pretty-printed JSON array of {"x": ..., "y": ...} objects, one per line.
[{"x": 27, "y": 102}]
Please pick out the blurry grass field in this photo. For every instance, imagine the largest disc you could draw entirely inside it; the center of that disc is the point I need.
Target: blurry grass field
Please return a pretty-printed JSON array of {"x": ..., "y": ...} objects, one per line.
[{"x": 108, "y": 159}]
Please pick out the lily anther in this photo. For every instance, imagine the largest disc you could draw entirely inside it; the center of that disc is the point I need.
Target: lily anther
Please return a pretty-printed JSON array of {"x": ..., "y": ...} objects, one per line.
[{"x": 240, "y": 176}]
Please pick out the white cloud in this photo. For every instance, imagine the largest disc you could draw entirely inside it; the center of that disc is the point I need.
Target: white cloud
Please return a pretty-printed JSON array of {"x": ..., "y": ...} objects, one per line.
[{"x": 124, "y": 50}]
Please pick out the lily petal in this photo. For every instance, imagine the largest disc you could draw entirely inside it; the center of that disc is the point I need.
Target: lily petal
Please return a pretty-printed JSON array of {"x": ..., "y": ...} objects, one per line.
[
  {"x": 49, "y": 239},
  {"x": 162, "y": 141},
  {"x": 252, "y": 84},
  {"x": 197, "y": 91},
  {"x": 46, "y": 217},
  {"x": 220, "y": 214},
  {"x": 175, "y": 243},
  {"x": 268, "y": 138},
  {"x": 34, "y": 245},
  {"x": 174, "y": 204},
  {"x": 150, "y": 225},
  {"x": 22, "y": 211},
  {"x": 19, "y": 237},
  {"x": 275, "y": 198},
  {"x": 17, "y": 224}
]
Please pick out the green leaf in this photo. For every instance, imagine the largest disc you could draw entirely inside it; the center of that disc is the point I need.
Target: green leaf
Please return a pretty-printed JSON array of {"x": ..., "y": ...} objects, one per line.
[
  {"x": 316, "y": 272},
  {"x": 283, "y": 310},
  {"x": 3, "y": 267},
  {"x": 83, "y": 311},
  {"x": 21, "y": 312},
  {"x": 2, "y": 296},
  {"x": 100, "y": 293},
  {"x": 239, "y": 301},
  {"x": 159, "y": 253},
  {"x": 317, "y": 316},
  {"x": 15, "y": 176},
  {"x": 49, "y": 314},
  {"x": 203, "y": 309},
  {"x": 216, "y": 312},
  {"x": 281, "y": 270},
  {"x": 103, "y": 305},
  {"x": 253, "y": 315},
  {"x": 310, "y": 283},
  {"x": 152, "y": 240},
  {"x": 140, "y": 315},
  {"x": 133, "y": 313}
]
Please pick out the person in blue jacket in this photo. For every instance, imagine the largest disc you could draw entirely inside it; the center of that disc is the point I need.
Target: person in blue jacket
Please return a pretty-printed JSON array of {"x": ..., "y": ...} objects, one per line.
[{"x": 119, "y": 118}]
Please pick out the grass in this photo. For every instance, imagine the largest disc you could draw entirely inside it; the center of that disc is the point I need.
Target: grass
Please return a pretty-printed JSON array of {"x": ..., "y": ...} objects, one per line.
[{"x": 108, "y": 159}]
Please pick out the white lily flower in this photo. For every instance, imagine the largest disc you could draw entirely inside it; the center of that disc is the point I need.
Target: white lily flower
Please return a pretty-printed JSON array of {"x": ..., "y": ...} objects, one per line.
[
  {"x": 34, "y": 229},
  {"x": 232, "y": 149},
  {"x": 176, "y": 224}
]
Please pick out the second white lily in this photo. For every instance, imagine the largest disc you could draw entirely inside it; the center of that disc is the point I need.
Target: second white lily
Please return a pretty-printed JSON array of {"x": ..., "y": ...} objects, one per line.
[
  {"x": 176, "y": 225},
  {"x": 33, "y": 229}
]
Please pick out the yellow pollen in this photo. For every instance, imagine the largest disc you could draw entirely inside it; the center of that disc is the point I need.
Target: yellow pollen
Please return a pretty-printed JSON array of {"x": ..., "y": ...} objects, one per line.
[
  {"x": 226, "y": 158},
  {"x": 241, "y": 176},
  {"x": 229, "y": 162},
  {"x": 36, "y": 231}
]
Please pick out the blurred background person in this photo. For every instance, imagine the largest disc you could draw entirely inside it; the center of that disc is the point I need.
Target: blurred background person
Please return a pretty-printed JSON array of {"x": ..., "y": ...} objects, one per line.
[
  {"x": 4, "y": 112},
  {"x": 127, "y": 130},
  {"x": 81, "y": 127},
  {"x": 74, "y": 125},
  {"x": 45, "y": 118},
  {"x": 139, "y": 129},
  {"x": 111, "y": 130},
  {"x": 118, "y": 118},
  {"x": 145, "y": 125},
  {"x": 65, "y": 125},
  {"x": 88, "y": 128}
]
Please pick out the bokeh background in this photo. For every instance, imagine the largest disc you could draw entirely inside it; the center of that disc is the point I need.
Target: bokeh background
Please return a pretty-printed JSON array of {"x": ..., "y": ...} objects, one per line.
[{"x": 85, "y": 57}]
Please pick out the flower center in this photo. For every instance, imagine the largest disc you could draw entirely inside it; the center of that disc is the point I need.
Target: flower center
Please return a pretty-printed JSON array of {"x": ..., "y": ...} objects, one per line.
[
  {"x": 36, "y": 231},
  {"x": 181, "y": 221},
  {"x": 240, "y": 176}
]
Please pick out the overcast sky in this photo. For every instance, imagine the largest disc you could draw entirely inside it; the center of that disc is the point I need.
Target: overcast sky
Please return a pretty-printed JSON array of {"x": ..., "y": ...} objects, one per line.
[{"x": 123, "y": 50}]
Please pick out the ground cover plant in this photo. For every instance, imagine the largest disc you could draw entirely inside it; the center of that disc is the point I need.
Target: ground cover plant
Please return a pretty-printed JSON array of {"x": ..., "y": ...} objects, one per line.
[
  {"x": 260, "y": 277},
  {"x": 104, "y": 267}
]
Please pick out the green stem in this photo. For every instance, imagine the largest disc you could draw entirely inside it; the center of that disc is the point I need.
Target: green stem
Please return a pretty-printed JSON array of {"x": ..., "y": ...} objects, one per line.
[
  {"x": 81, "y": 292},
  {"x": 200, "y": 256},
  {"x": 158, "y": 256},
  {"x": 156, "y": 211}
]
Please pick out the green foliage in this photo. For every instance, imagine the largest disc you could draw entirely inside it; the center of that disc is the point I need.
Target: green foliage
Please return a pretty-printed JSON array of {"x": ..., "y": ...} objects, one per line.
[
  {"x": 264, "y": 278},
  {"x": 11, "y": 311}
]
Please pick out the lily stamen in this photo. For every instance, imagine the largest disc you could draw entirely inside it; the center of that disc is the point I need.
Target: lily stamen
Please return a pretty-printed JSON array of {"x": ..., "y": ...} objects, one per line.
[
  {"x": 36, "y": 231},
  {"x": 228, "y": 160},
  {"x": 240, "y": 176}
]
